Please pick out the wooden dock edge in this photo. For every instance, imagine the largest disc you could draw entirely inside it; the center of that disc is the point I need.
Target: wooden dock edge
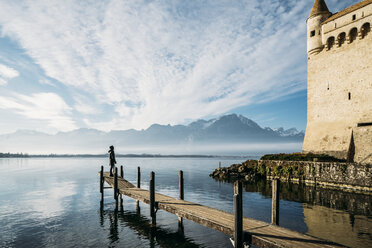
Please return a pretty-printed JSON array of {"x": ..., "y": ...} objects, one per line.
[{"x": 250, "y": 237}]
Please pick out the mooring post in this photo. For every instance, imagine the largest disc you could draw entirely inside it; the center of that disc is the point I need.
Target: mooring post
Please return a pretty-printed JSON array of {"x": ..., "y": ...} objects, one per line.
[
  {"x": 238, "y": 213},
  {"x": 101, "y": 180},
  {"x": 275, "y": 202},
  {"x": 180, "y": 184},
  {"x": 116, "y": 185},
  {"x": 121, "y": 196},
  {"x": 152, "y": 197},
  {"x": 101, "y": 184},
  {"x": 138, "y": 177},
  {"x": 181, "y": 192}
]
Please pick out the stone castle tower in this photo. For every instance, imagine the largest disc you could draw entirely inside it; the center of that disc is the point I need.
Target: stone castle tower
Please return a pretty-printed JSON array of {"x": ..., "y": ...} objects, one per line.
[{"x": 339, "y": 91}]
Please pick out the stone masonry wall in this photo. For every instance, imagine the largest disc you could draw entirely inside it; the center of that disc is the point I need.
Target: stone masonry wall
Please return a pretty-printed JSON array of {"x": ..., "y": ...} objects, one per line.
[
  {"x": 363, "y": 144},
  {"x": 333, "y": 174},
  {"x": 339, "y": 97}
]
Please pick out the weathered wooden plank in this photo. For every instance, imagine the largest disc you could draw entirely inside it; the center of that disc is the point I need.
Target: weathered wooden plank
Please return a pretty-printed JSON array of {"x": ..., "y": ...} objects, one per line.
[{"x": 257, "y": 232}]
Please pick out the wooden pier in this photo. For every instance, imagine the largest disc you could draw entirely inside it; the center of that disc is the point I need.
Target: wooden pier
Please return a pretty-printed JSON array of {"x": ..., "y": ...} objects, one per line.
[{"x": 244, "y": 230}]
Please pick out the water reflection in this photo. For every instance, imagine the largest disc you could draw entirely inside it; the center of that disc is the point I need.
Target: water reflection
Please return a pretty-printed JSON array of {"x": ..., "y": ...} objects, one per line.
[
  {"x": 345, "y": 228},
  {"x": 353, "y": 203},
  {"x": 336, "y": 215},
  {"x": 156, "y": 235}
]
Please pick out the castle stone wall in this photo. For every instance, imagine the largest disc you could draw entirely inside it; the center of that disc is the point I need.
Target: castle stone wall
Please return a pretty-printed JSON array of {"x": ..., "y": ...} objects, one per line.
[
  {"x": 339, "y": 97},
  {"x": 363, "y": 144}
]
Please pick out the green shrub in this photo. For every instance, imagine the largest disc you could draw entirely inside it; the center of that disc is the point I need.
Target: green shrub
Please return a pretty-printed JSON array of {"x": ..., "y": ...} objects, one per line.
[{"x": 301, "y": 157}]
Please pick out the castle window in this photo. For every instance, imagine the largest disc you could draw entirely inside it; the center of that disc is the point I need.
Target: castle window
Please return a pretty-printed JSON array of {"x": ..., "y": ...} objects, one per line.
[
  {"x": 335, "y": 25},
  {"x": 354, "y": 17},
  {"x": 330, "y": 42},
  {"x": 366, "y": 28},
  {"x": 353, "y": 34},
  {"x": 349, "y": 96},
  {"x": 312, "y": 33},
  {"x": 341, "y": 38}
]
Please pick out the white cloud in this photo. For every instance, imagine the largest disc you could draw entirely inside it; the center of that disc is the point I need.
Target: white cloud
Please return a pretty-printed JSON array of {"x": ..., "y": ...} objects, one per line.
[
  {"x": 8, "y": 72},
  {"x": 48, "y": 107},
  {"x": 85, "y": 106},
  {"x": 3, "y": 82},
  {"x": 164, "y": 61},
  {"x": 46, "y": 82}
]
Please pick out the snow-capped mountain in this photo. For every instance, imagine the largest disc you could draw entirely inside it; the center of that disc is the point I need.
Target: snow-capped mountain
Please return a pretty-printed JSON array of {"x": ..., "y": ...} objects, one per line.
[{"x": 227, "y": 129}]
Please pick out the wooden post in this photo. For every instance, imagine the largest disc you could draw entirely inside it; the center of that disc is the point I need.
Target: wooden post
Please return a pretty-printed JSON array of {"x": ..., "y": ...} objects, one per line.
[
  {"x": 181, "y": 195},
  {"x": 275, "y": 202},
  {"x": 238, "y": 214},
  {"x": 101, "y": 184},
  {"x": 138, "y": 177},
  {"x": 180, "y": 184},
  {"x": 101, "y": 181},
  {"x": 219, "y": 164},
  {"x": 152, "y": 196},
  {"x": 116, "y": 184},
  {"x": 121, "y": 196}
]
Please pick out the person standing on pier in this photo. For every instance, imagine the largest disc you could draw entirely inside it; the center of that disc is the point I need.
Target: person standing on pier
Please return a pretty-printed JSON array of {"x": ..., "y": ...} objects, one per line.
[{"x": 112, "y": 160}]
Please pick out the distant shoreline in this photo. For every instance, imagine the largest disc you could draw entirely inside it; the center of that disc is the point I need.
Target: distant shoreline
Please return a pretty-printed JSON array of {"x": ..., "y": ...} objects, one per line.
[{"x": 24, "y": 155}]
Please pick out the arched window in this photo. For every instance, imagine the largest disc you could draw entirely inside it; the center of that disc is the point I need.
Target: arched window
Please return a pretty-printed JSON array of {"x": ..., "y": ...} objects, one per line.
[
  {"x": 366, "y": 28},
  {"x": 330, "y": 42},
  {"x": 341, "y": 38},
  {"x": 353, "y": 34}
]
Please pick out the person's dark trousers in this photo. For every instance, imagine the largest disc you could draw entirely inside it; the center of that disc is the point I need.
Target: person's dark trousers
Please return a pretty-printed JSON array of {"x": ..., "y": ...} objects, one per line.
[{"x": 111, "y": 170}]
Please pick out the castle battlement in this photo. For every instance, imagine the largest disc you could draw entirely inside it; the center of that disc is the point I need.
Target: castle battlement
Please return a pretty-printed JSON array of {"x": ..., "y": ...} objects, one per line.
[{"x": 339, "y": 91}]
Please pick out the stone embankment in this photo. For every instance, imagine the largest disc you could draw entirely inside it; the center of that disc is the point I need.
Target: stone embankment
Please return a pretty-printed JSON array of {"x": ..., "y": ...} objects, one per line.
[{"x": 351, "y": 176}]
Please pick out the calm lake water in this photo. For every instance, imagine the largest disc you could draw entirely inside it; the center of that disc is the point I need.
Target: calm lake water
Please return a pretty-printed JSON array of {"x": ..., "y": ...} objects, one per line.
[{"x": 55, "y": 202}]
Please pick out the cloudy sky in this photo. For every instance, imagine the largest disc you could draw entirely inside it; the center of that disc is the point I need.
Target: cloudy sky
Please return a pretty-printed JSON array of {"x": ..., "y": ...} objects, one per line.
[{"x": 119, "y": 64}]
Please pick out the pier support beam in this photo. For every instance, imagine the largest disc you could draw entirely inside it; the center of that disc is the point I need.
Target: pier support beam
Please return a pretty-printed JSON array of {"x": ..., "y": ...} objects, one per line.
[
  {"x": 116, "y": 186},
  {"x": 181, "y": 196},
  {"x": 238, "y": 215},
  {"x": 138, "y": 177},
  {"x": 180, "y": 184},
  {"x": 121, "y": 196},
  {"x": 138, "y": 181},
  {"x": 101, "y": 183},
  {"x": 275, "y": 202},
  {"x": 152, "y": 198}
]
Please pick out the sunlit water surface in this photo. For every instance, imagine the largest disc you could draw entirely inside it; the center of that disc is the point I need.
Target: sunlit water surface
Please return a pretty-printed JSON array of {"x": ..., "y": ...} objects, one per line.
[{"x": 55, "y": 202}]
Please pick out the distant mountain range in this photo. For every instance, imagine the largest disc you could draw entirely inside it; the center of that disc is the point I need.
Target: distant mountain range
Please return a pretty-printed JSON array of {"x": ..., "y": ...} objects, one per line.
[{"x": 227, "y": 129}]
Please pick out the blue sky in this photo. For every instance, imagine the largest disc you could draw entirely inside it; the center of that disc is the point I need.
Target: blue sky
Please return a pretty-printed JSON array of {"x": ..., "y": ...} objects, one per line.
[{"x": 115, "y": 65}]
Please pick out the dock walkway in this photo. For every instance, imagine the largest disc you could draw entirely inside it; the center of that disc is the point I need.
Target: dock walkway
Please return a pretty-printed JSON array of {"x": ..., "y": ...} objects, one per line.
[{"x": 256, "y": 232}]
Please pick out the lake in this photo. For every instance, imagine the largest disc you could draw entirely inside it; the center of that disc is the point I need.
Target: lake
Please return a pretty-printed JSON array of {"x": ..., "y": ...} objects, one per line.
[{"x": 55, "y": 202}]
